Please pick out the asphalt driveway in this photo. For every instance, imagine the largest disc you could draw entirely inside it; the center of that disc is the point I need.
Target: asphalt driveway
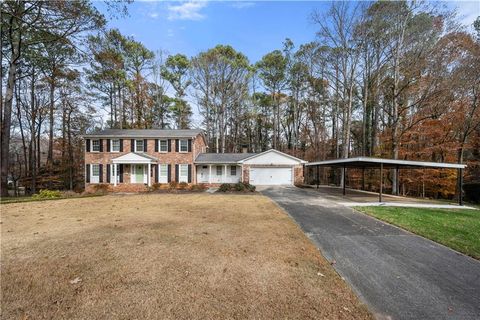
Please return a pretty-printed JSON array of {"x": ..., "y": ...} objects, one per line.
[{"x": 398, "y": 274}]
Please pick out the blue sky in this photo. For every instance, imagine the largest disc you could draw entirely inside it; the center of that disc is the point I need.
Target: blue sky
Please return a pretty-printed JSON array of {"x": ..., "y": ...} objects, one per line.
[{"x": 254, "y": 28}]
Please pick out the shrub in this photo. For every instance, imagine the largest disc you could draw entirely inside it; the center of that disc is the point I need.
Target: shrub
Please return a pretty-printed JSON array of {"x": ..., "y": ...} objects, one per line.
[
  {"x": 69, "y": 194},
  {"x": 101, "y": 188},
  {"x": 249, "y": 186},
  {"x": 182, "y": 186},
  {"x": 156, "y": 186},
  {"x": 224, "y": 187},
  {"x": 198, "y": 187},
  {"x": 173, "y": 185},
  {"x": 47, "y": 194},
  {"x": 239, "y": 186}
]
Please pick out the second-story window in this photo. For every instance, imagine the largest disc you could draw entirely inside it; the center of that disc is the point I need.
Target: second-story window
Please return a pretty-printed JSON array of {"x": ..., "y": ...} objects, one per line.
[
  {"x": 139, "y": 145},
  {"x": 183, "y": 145},
  {"x": 115, "y": 145},
  {"x": 96, "y": 145},
  {"x": 163, "y": 147}
]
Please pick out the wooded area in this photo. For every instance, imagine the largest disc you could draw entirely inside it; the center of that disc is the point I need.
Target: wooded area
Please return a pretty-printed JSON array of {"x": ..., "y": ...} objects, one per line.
[{"x": 397, "y": 80}]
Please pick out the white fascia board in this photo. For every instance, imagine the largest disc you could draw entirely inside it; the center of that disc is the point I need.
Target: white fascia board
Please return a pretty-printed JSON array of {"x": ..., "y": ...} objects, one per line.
[{"x": 391, "y": 162}]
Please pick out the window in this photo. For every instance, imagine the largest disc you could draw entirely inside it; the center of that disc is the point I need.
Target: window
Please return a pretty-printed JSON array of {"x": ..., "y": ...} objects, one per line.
[
  {"x": 95, "y": 173},
  {"x": 138, "y": 145},
  {"x": 112, "y": 173},
  {"x": 183, "y": 173},
  {"x": 183, "y": 145},
  {"x": 219, "y": 170},
  {"x": 95, "y": 170},
  {"x": 163, "y": 170},
  {"x": 115, "y": 145},
  {"x": 163, "y": 147},
  {"x": 96, "y": 145},
  {"x": 233, "y": 170}
]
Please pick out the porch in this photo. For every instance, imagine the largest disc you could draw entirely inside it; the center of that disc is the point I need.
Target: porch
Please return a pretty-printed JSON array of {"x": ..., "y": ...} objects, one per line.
[
  {"x": 132, "y": 168},
  {"x": 219, "y": 173}
]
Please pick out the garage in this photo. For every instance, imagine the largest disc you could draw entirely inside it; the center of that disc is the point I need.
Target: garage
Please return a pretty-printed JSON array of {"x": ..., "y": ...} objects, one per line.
[
  {"x": 272, "y": 167},
  {"x": 271, "y": 176}
]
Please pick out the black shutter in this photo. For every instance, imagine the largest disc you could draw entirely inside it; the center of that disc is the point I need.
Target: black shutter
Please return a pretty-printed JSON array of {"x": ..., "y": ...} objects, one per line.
[
  {"x": 121, "y": 172},
  {"x": 132, "y": 145},
  {"x": 87, "y": 145},
  {"x": 108, "y": 145},
  {"x": 169, "y": 173},
  {"x": 189, "y": 172},
  {"x": 87, "y": 174},
  {"x": 176, "y": 173},
  {"x": 100, "y": 169},
  {"x": 100, "y": 141},
  {"x": 144, "y": 145},
  {"x": 108, "y": 172},
  {"x": 156, "y": 145},
  {"x": 121, "y": 145},
  {"x": 169, "y": 145},
  {"x": 157, "y": 172},
  {"x": 176, "y": 145},
  {"x": 189, "y": 145}
]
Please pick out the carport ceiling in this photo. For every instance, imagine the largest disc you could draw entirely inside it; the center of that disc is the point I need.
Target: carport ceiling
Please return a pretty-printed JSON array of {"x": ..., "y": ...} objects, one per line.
[{"x": 366, "y": 162}]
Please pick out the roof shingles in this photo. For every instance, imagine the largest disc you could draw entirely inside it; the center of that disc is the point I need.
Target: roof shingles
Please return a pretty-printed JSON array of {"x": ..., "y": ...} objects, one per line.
[
  {"x": 144, "y": 133},
  {"x": 222, "y": 157}
]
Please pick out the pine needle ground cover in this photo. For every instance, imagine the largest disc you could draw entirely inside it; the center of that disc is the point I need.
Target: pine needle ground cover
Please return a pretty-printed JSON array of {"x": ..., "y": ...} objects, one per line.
[
  {"x": 458, "y": 229},
  {"x": 165, "y": 256}
]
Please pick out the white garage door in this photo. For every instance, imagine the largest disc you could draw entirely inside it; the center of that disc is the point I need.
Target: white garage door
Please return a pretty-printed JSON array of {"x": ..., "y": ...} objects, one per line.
[{"x": 270, "y": 176}]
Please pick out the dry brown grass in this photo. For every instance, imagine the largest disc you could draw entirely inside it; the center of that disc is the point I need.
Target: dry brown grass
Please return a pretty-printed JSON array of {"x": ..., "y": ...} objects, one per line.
[{"x": 194, "y": 256}]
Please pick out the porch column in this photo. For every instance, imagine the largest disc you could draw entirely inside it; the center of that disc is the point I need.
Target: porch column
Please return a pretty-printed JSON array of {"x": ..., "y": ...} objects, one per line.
[
  {"x": 149, "y": 179},
  {"x": 209, "y": 174},
  {"x": 225, "y": 175},
  {"x": 344, "y": 179},
  {"x": 115, "y": 174}
]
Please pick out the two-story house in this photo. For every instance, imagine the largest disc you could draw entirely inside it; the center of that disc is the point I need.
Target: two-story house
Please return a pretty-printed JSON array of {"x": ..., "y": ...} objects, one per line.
[{"x": 132, "y": 159}]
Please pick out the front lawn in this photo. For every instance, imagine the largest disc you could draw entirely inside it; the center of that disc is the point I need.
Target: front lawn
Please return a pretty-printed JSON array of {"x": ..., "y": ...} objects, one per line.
[
  {"x": 458, "y": 229},
  {"x": 165, "y": 256}
]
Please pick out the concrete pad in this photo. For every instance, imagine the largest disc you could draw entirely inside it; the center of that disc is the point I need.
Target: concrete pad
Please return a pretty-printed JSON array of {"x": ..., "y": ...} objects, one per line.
[
  {"x": 398, "y": 274},
  {"x": 405, "y": 205}
]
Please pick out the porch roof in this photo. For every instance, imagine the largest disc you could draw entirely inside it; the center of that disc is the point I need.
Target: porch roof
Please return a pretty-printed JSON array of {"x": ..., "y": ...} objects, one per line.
[
  {"x": 134, "y": 157},
  {"x": 219, "y": 158}
]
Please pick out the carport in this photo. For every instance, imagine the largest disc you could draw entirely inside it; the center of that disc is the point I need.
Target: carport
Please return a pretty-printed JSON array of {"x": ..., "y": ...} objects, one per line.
[{"x": 379, "y": 163}]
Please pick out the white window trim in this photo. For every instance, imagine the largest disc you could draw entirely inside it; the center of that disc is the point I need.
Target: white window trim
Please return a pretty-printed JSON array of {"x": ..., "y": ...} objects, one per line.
[
  {"x": 180, "y": 145},
  {"x": 111, "y": 145},
  {"x": 180, "y": 177},
  {"x": 91, "y": 147},
  {"x": 94, "y": 178},
  {"x": 165, "y": 166},
  {"x": 143, "y": 143},
  {"x": 233, "y": 167},
  {"x": 160, "y": 144},
  {"x": 221, "y": 171}
]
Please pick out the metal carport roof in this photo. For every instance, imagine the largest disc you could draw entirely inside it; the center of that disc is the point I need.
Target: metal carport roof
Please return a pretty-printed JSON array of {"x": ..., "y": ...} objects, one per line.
[{"x": 367, "y": 162}]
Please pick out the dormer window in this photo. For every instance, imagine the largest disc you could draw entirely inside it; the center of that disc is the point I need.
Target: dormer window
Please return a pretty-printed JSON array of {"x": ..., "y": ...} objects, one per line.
[
  {"x": 139, "y": 147},
  {"x": 96, "y": 145}
]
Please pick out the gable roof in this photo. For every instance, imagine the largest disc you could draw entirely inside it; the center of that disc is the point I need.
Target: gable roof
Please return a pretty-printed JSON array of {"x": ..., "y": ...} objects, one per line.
[
  {"x": 145, "y": 133},
  {"x": 275, "y": 151},
  {"x": 222, "y": 157},
  {"x": 134, "y": 157}
]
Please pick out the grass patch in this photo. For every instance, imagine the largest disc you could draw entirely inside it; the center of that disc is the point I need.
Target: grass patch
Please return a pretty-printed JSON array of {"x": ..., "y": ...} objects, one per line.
[
  {"x": 458, "y": 229},
  {"x": 165, "y": 256},
  {"x": 7, "y": 200}
]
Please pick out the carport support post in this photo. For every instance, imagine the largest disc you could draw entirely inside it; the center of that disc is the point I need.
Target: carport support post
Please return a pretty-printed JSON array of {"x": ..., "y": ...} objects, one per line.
[
  {"x": 363, "y": 178},
  {"x": 460, "y": 186},
  {"x": 318, "y": 176},
  {"x": 344, "y": 179},
  {"x": 381, "y": 183}
]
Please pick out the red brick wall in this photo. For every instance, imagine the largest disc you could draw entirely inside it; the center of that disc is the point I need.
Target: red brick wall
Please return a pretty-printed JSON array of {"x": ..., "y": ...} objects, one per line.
[{"x": 172, "y": 157}]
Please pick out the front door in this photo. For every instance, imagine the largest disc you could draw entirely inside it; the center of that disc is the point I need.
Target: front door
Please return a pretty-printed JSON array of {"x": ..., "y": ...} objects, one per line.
[{"x": 139, "y": 173}]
